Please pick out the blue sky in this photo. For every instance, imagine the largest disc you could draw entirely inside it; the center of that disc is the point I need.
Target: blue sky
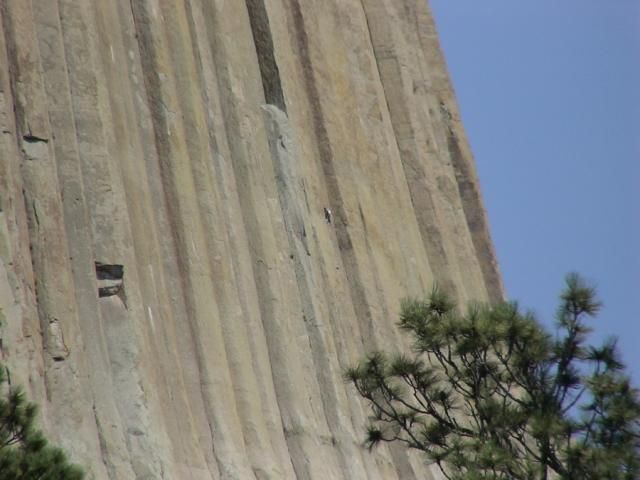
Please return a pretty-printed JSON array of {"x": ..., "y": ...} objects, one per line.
[{"x": 550, "y": 97}]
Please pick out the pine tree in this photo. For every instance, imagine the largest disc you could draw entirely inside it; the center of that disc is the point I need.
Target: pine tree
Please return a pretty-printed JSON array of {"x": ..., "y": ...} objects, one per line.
[
  {"x": 490, "y": 394},
  {"x": 24, "y": 452}
]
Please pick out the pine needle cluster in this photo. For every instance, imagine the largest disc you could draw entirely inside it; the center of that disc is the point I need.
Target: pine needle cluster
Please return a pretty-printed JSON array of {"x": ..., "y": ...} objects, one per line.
[
  {"x": 25, "y": 454},
  {"x": 490, "y": 394}
]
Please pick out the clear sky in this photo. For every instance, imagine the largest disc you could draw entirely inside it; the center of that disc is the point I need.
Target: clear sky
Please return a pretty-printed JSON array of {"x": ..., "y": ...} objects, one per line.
[{"x": 550, "y": 97}]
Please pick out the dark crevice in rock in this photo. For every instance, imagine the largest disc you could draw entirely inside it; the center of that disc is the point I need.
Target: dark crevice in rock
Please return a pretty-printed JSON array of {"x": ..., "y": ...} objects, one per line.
[
  {"x": 109, "y": 291},
  {"x": 109, "y": 272},
  {"x": 110, "y": 279},
  {"x": 29, "y": 138},
  {"x": 35, "y": 213},
  {"x": 266, "y": 57},
  {"x": 475, "y": 217},
  {"x": 8, "y": 29}
]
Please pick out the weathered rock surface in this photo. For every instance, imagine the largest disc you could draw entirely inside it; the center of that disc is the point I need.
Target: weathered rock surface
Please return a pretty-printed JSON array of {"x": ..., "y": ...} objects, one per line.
[{"x": 171, "y": 293}]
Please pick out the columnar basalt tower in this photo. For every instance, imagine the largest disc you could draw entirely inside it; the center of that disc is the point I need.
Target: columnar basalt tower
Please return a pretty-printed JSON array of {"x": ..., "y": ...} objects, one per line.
[{"x": 208, "y": 208}]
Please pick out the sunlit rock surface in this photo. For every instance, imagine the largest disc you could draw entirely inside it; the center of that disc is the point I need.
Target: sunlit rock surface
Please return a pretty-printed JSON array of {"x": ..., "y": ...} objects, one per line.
[{"x": 208, "y": 208}]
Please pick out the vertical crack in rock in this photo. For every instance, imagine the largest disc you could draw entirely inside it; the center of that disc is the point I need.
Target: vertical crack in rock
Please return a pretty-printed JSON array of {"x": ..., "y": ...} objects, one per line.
[
  {"x": 151, "y": 49},
  {"x": 325, "y": 152},
  {"x": 291, "y": 197},
  {"x": 336, "y": 206},
  {"x": 398, "y": 108},
  {"x": 12, "y": 64},
  {"x": 460, "y": 155},
  {"x": 283, "y": 157},
  {"x": 474, "y": 213},
  {"x": 266, "y": 56},
  {"x": 287, "y": 179}
]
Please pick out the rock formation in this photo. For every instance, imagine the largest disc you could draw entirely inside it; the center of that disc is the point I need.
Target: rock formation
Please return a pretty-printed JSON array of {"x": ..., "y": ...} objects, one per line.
[{"x": 172, "y": 292}]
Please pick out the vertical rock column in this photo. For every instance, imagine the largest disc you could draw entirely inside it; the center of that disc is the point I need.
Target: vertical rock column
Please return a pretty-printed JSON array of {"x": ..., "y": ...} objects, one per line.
[{"x": 69, "y": 393}]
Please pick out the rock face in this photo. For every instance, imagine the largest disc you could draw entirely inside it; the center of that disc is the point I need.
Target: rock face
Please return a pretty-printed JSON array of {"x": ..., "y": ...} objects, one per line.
[{"x": 173, "y": 292}]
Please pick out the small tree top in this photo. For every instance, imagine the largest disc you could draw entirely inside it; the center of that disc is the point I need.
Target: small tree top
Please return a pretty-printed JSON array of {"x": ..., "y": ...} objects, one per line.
[{"x": 490, "y": 394}]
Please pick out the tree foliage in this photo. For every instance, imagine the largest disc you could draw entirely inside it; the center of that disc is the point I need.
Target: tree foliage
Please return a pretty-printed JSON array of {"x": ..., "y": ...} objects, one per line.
[
  {"x": 490, "y": 394},
  {"x": 24, "y": 452}
]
